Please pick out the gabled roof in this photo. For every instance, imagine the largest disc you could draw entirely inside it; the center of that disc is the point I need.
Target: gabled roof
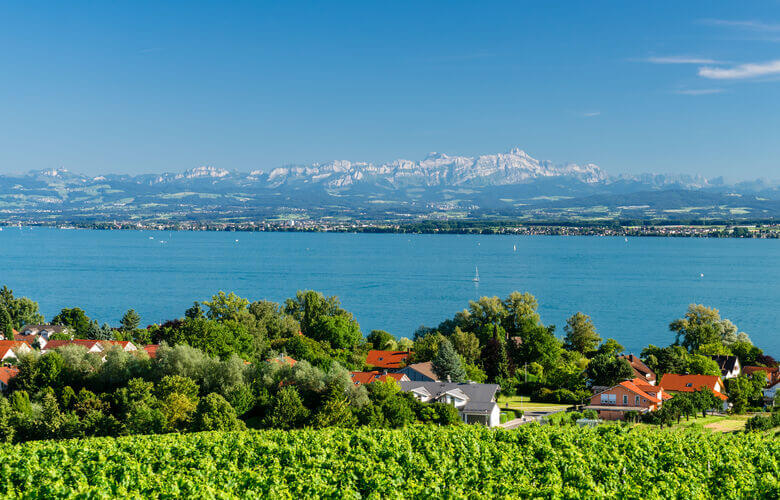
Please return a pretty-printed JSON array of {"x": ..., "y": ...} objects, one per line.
[
  {"x": 27, "y": 339},
  {"x": 123, "y": 344},
  {"x": 425, "y": 369},
  {"x": 641, "y": 370},
  {"x": 87, "y": 344},
  {"x": 674, "y": 382},
  {"x": 51, "y": 328},
  {"x": 725, "y": 363},
  {"x": 481, "y": 397},
  {"x": 7, "y": 373},
  {"x": 387, "y": 359}
]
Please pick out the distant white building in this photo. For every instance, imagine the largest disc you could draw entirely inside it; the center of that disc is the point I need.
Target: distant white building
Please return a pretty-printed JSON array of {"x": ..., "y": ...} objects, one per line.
[{"x": 476, "y": 403}]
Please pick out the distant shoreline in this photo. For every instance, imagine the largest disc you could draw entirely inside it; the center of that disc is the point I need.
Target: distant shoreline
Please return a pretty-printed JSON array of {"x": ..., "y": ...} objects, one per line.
[{"x": 667, "y": 229}]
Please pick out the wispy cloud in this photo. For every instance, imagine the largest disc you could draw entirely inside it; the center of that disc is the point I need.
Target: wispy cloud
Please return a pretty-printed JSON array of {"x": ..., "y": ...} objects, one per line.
[
  {"x": 698, "y": 91},
  {"x": 741, "y": 71},
  {"x": 745, "y": 25},
  {"x": 680, "y": 60},
  {"x": 590, "y": 114}
]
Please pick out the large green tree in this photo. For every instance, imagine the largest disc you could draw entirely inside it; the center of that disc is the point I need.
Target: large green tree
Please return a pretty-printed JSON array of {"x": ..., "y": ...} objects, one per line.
[
  {"x": 74, "y": 318},
  {"x": 130, "y": 320},
  {"x": 447, "y": 364},
  {"x": 22, "y": 310},
  {"x": 609, "y": 370},
  {"x": 581, "y": 334}
]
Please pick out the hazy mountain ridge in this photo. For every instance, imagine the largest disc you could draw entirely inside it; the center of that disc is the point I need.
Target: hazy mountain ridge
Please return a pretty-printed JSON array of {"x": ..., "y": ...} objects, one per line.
[{"x": 511, "y": 183}]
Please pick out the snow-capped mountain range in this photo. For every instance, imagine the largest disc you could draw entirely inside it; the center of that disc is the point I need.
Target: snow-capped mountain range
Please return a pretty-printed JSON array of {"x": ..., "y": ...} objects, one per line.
[{"x": 506, "y": 183}]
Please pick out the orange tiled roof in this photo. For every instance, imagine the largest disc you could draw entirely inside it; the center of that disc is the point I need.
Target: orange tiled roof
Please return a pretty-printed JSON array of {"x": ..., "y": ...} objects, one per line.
[
  {"x": 54, "y": 344},
  {"x": 373, "y": 376},
  {"x": 387, "y": 359},
  {"x": 636, "y": 390},
  {"x": 151, "y": 350},
  {"x": 7, "y": 373},
  {"x": 674, "y": 382}
]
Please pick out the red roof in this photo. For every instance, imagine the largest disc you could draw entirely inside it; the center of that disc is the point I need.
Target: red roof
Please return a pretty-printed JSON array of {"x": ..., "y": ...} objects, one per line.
[
  {"x": 674, "y": 382},
  {"x": 151, "y": 350},
  {"x": 7, "y": 373},
  {"x": 636, "y": 390},
  {"x": 387, "y": 359},
  {"x": 88, "y": 344},
  {"x": 9, "y": 345},
  {"x": 373, "y": 376}
]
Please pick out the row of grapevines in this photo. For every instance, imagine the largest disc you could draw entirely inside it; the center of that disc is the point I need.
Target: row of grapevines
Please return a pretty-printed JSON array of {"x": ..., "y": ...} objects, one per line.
[{"x": 455, "y": 462}]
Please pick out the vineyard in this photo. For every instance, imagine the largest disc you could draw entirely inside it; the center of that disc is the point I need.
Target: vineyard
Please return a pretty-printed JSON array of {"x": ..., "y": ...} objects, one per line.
[{"x": 416, "y": 462}]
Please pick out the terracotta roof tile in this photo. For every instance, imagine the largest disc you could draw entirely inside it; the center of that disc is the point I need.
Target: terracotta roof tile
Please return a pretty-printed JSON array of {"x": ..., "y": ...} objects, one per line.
[{"x": 387, "y": 359}]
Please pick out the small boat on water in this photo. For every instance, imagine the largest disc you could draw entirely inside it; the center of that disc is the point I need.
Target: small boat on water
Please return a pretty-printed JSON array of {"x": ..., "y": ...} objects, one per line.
[{"x": 476, "y": 275}]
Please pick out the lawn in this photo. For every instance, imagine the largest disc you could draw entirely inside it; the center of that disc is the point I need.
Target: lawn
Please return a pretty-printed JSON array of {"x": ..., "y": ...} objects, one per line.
[
  {"x": 524, "y": 403},
  {"x": 714, "y": 423}
]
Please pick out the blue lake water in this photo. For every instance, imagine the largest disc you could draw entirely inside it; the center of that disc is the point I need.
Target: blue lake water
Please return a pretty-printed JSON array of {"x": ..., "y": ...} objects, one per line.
[{"x": 632, "y": 289}]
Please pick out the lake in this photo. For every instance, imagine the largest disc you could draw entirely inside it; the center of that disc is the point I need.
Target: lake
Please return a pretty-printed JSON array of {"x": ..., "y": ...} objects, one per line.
[{"x": 632, "y": 289}]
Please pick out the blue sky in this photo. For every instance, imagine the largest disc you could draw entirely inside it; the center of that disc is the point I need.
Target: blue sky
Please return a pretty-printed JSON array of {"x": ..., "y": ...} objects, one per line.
[{"x": 132, "y": 87}]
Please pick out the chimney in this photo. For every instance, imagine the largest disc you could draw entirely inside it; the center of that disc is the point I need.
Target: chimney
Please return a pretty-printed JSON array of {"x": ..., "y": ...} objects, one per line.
[{"x": 449, "y": 379}]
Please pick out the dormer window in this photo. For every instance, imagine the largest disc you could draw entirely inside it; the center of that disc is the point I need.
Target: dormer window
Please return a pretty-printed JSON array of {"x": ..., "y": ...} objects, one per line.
[{"x": 689, "y": 384}]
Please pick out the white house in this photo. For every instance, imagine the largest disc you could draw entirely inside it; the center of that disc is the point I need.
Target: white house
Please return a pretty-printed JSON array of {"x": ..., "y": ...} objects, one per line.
[
  {"x": 44, "y": 331},
  {"x": 476, "y": 403},
  {"x": 10, "y": 348},
  {"x": 729, "y": 366}
]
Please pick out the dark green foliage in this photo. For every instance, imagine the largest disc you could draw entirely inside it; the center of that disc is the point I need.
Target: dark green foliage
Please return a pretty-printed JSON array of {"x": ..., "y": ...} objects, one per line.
[
  {"x": 130, "y": 320},
  {"x": 379, "y": 339},
  {"x": 76, "y": 319},
  {"x": 6, "y": 325},
  {"x": 216, "y": 414},
  {"x": 447, "y": 364},
  {"x": 608, "y": 370},
  {"x": 287, "y": 411}
]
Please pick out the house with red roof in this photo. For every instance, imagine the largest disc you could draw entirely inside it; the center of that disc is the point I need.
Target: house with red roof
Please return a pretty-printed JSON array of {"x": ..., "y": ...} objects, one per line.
[
  {"x": 387, "y": 360},
  {"x": 30, "y": 340},
  {"x": 772, "y": 373},
  {"x": 359, "y": 378},
  {"x": 630, "y": 395},
  {"x": 641, "y": 370},
  {"x": 675, "y": 383},
  {"x": 6, "y": 374},
  {"x": 125, "y": 345},
  {"x": 93, "y": 346},
  {"x": 151, "y": 350},
  {"x": 10, "y": 348}
]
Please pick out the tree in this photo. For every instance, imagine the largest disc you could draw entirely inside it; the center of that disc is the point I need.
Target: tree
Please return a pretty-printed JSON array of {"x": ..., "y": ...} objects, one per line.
[
  {"x": 287, "y": 411},
  {"x": 541, "y": 346},
  {"x": 475, "y": 373},
  {"x": 611, "y": 347},
  {"x": 701, "y": 365},
  {"x": 747, "y": 353},
  {"x": 195, "y": 311},
  {"x": 341, "y": 331},
  {"x": 494, "y": 356},
  {"x": 521, "y": 313},
  {"x": 227, "y": 307},
  {"x": 130, "y": 320},
  {"x": 379, "y": 339},
  {"x": 608, "y": 370},
  {"x": 6, "y": 325},
  {"x": 177, "y": 384},
  {"x": 214, "y": 413},
  {"x": 334, "y": 411},
  {"x": 22, "y": 310},
  {"x": 467, "y": 345},
  {"x": 447, "y": 364},
  {"x": 581, "y": 335},
  {"x": 700, "y": 325},
  {"x": 426, "y": 348},
  {"x": 74, "y": 318}
]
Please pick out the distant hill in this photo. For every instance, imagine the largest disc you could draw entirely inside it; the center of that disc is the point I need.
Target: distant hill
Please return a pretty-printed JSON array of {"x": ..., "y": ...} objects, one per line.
[{"x": 510, "y": 184}]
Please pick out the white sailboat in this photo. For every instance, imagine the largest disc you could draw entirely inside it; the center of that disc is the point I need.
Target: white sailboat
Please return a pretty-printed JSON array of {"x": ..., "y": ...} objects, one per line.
[
  {"x": 514, "y": 248},
  {"x": 476, "y": 275}
]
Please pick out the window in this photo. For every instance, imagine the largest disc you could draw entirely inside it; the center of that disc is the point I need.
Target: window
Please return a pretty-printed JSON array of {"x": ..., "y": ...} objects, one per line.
[
  {"x": 637, "y": 401},
  {"x": 608, "y": 399},
  {"x": 625, "y": 399}
]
